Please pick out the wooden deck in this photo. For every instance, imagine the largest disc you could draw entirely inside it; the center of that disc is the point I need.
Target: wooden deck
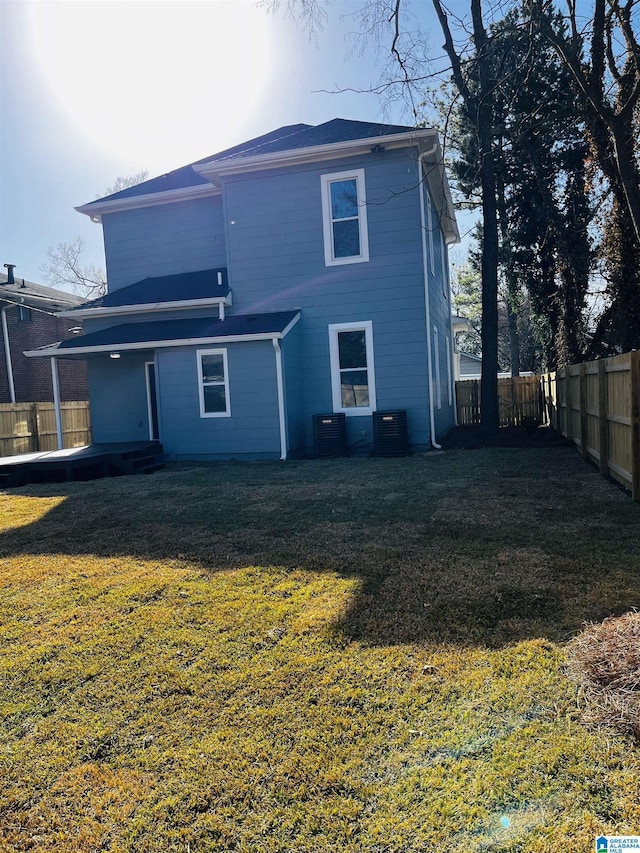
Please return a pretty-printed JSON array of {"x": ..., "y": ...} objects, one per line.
[{"x": 81, "y": 463}]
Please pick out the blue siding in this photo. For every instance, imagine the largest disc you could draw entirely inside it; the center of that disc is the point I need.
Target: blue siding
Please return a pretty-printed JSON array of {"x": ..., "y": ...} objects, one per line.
[
  {"x": 276, "y": 260},
  {"x": 118, "y": 397},
  {"x": 97, "y": 324},
  {"x": 253, "y": 429},
  {"x": 172, "y": 238}
]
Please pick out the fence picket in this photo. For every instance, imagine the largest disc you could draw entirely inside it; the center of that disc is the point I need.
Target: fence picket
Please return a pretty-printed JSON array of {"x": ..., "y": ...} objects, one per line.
[{"x": 30, "y": 427}]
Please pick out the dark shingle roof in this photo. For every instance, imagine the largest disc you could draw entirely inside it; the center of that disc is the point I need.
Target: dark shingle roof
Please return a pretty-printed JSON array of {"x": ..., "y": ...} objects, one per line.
[
  {"x": 37, "y": 295},
  {"x": 186, "y": 177},
  {"x": 336, "y": 130},
  {"x": 180, "y": 330},
  {"x": 288, "y": 138},
  {"x": 166, "y": 288},
  {"x": 170, "y": 288}
]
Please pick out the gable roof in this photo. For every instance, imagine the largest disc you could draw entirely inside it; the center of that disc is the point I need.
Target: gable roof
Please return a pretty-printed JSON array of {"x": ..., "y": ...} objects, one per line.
[{"x": 32, "y": 295}]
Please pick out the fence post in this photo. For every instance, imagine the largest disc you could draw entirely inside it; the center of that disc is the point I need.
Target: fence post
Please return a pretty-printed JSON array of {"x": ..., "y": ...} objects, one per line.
[
  {"x": 635, "y": 424},
  {"x": 603, "y": 416},
  {"x": 583, "y": 411},
  {"x": 568, "y": 402}
]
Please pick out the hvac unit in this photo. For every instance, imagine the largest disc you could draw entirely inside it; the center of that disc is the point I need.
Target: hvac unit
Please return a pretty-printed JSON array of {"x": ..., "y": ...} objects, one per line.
[
  {"x": 390, "y": 436},
  {"x": 330, "y": 435}
]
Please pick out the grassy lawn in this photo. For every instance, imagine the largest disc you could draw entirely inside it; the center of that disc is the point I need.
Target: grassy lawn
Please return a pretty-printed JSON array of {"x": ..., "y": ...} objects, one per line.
[{"x": 346, "y": 655}]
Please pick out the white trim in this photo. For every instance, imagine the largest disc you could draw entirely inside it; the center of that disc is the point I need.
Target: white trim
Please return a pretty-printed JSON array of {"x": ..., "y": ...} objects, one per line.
[
  {"x": 281, "y": 411},
  {"x": 142, "y": 345},
  {"x": 436, "y": 352},
  {"x": 94, "y": 210},
  {"x": 311, "y": 154},
  {"x": 448, "y": 354},
  {"x": 201, "y": 383},
  {"x": 356, "y": 175},
  {"x": 334, "y": 359},
  {"x": 427, "y": 307},
  {"x": 180, "y": 304},
  {"x": 55, "y": 382},
  {"x": 7, "y": 355},
  {"x": 287, "y": 328}
]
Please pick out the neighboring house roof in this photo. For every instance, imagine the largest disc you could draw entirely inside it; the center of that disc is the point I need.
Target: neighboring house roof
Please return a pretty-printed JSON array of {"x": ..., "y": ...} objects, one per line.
[
  {"x": 471, "y": 357},
  {"x": 160, "y": 290},
  {"x": 32, "y": 295},
  {"x": 460, "y": 324},
  {"x": 295, "y": 143},
  {"x": 187, "y": 332}
]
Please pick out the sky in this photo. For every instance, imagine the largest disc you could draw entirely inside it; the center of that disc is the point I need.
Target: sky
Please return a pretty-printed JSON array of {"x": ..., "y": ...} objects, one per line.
[{"x": 94, "y": 89}]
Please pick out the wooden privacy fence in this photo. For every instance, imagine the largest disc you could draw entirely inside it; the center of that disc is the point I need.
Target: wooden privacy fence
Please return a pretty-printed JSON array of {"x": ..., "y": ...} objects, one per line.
[
  {"x": 597, "y": 406},
  {"x": 31, "y": 427},
  {"x": 520, "y": 397}
]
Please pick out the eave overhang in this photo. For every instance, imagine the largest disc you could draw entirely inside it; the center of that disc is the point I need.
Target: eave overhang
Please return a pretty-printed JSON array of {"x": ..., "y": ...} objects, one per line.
[
  {"x": 120, "y": 310},
  {"x": 95, "y": 210},
  {"x": 313, "y": 154}
]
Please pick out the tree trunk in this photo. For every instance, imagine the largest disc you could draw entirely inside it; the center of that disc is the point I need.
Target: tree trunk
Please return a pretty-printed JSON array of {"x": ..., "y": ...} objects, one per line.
[{"x": 490, "y": 416}]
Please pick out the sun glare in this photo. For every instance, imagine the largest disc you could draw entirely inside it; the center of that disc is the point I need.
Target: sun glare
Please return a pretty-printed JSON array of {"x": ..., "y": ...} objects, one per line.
[{"x": 157, "y": 82}]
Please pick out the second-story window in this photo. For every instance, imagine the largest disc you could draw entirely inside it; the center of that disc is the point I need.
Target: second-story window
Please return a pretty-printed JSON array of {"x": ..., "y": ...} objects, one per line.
[
  {"x": 344, "y": 212},
  {"x": 25, "y": 315}
]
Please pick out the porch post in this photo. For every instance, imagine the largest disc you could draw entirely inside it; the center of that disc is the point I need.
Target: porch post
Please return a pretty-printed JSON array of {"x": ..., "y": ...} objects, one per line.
[{"x": 55, "y": 381}]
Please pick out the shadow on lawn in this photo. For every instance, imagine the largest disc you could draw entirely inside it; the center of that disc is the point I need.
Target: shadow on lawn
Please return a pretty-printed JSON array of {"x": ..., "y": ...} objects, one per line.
[{"x": 486, "y": 548}]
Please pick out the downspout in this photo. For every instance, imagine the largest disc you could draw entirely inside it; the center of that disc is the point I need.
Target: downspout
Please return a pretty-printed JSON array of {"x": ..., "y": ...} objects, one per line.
[
  {"x": 423, "y": 226},
  {"x": 7, "y": 355},
  {"x": 281, "y": 413}
]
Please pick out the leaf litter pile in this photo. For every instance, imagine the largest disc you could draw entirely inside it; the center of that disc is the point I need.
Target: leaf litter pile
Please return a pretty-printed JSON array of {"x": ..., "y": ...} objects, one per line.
[{"x": 353, "y": 655}]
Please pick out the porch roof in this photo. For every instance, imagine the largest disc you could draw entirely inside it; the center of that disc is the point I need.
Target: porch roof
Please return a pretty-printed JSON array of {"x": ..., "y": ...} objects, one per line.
[{"x": 173, "y": 333}]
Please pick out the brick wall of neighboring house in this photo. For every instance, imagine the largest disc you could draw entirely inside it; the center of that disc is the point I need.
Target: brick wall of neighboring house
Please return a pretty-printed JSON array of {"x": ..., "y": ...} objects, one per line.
[{"x": 32, "y": 376}]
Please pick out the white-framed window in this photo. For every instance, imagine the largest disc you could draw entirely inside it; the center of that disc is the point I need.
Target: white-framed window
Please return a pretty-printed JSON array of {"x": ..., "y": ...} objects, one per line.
[
  {"x": 436, "y": 358},
  {"x": 344, "y": 216},
  {"x": 213, "y": 383},
  {"x": 353, "y": 383}
]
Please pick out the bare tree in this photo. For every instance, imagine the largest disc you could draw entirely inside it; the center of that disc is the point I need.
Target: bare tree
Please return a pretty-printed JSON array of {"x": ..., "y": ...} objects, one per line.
[{"x": 65, "y": 268}]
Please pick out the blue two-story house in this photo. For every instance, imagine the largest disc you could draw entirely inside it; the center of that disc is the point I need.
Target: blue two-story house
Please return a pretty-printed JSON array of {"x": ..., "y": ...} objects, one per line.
[{"x": 301, "y": 273}]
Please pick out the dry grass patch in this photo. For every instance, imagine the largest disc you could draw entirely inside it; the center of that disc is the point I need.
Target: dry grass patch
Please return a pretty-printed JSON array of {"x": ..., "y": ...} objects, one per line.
[{"x": 348, "y": 655}]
